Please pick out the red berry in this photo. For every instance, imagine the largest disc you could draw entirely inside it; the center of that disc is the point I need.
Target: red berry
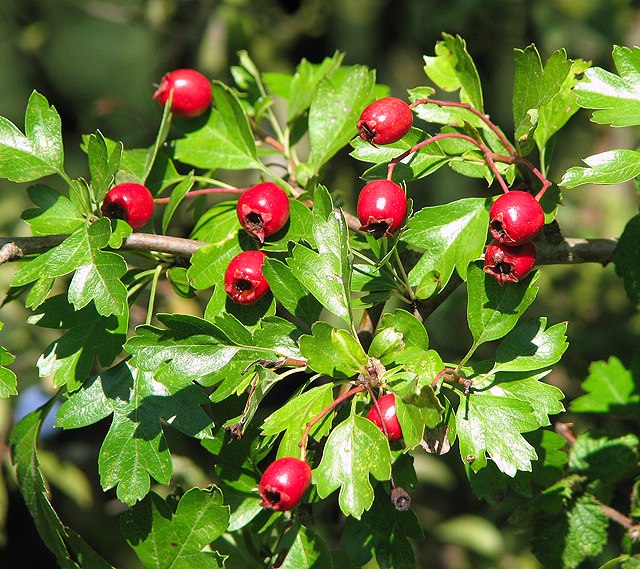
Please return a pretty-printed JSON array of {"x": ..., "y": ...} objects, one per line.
[
  {"x": 515, "y": 218},
  {"x": 284, "y": 482},
  {"x": 243, "y": 280},
  {"x": 131, "y": 202},
  {"x": 385, "y": 121},
  {"x": 263, "y": 210},
  {"x": 387, "y": 406},
  {"x": 191, "y": 92},
  {"x": 509, "y": 264},
  {"x": 382, "y": 207}
]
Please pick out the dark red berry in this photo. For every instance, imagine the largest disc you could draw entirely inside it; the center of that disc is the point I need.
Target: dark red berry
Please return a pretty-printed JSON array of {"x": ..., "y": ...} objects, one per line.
[
  {"x": 263, "y": 210},
  {"x": 243, "y": 280},
  {"x": 131, "y": 202},
  {"x": 284, "y": 482},
  {"x": 385, "y": 121},
  {"x": 191, "y": 92},
  {"x": 387, "y": 406},
  {"x": 382, "y": 207},
  {"x": 515, "y": 218},
  {"x": 509, "y": 264}
]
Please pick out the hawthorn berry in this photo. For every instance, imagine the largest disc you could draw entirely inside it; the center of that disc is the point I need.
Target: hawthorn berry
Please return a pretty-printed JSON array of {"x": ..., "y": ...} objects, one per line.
[
  {"x": 515, "y": 218},
  {"x": 131, "y": 202},
  {"x": 382, "y": 207},
  {"x": 385, "y": 121},
  {"x": 387, "y": 406},
  {"x": 191, "y": 92},
  {"x": 243, "y": 279},
  {"x": 263, "y": 210},
  {"x": 509, "y": 264},
  {"x": 284, "y": 482}
]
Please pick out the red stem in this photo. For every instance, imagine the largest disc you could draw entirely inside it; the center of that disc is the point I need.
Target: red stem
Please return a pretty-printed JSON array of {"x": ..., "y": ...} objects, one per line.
[
  {"x": 235, "y": 191},
  {"x": 486, "y": 152},
  {"x": 503, "y": 139},
  {"x": 319, "y": 416}
]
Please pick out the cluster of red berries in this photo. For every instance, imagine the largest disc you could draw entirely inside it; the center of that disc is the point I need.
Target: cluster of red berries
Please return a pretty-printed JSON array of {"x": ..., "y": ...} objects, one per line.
[
  {"x": 285, "y": 480},
  {"x": 515, "y": 219}
]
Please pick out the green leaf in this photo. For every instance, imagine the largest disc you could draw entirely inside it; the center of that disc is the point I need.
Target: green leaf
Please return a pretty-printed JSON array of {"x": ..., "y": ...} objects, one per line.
[
  {"x": 452, "y": 235},
  {"x": 70, "y": 358},
  {"x": 102, "y": 165},
  {"x": 135, "y": 448},
  {"x": 554, "y": 114},
  {"x": 8, "y": 380},
  {"x": 493, "y": 310},
  {"x": 294, "y": 415},
  {"x": 354, "y": 449},
  {"x": 58, "y": 538},
  {"x": 225, "y": 141},
  {"x": 165, "y": 535},
  {"x": 305, "y": 81},
  {"x": 610, "y": 167},
  {"x": 304, "y": 549},
  {"x": 55, "y": 213},
  {"x": 333, "y": 352},
  {"x": 416, "y": 411},
  {"x": 336, "y": 106},
  {"x": 37, "y": 153},
  {"x": 544, "y": 399},
  {"x": 193, "y": 349},
  {"x": 452, "y": 68},
  {"x": 531, "y": 346},
  {"x": 610, "y": 388},
  {"x": 489, "y": 424},
  {"x": 289, "y": 291},
  {"x": 605, "y": 458},
  {"x": 616, "y": 97},
  {"x": 97, "y": 272},
  {"x": 177, "y": 195},
  {"x": 209, "y": 263},
  {"x": 218, "y": 224},
  {"x": 535, "y": 86},
  {"x": 627, "y": 259},
  {"x": 297, "y": 229},
  {"x": 326, "y": 274},
  {"x": 396, "y": 332},
  {"x": 161, "y": 137}
]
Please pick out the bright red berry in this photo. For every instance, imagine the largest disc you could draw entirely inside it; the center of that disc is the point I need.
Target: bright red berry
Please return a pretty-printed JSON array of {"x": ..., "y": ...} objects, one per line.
[
  {"x": 515, "y": 218},
  {"x": 131, "y": 202},
  {"x": 191, "y": 92},
  {"x": 382, "y": 207},
  {"x": 387, "y": 406},
  {"x": 385, "y": 121},
  {"x": 509, "y": 264},
  {"x": 284, "y": 482},
  {"x": 243, "y": 280},
  {"x": 263, "y": 210}
]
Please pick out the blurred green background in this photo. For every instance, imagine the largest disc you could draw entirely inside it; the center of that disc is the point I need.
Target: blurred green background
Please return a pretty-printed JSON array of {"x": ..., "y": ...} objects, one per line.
[{"x": 97, "y": 61}]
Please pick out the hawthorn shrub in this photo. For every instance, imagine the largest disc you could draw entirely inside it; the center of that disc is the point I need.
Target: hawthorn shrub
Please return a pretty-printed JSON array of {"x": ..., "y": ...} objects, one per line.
[{"x": 340, "y": 318}]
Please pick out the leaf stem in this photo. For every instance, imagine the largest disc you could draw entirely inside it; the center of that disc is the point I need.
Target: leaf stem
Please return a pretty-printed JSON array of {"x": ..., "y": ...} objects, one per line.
[
  {"x": 152, "y": 293},
  {"x": 319, "y": 416},
  {"x": 205, "y": 191},
  {"x": 403, "y": 274}
]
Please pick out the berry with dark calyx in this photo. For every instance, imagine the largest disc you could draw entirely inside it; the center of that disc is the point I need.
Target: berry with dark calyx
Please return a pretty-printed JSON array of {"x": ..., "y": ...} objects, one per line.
[
  {"x": 243, "y": 279},
  {"x": 284, "y": 482},
  {"x": 131, "y": 202},
  {"x": 263, "y": 210},
  {"x": 382, "y": 207},
  {"x": 191, "y": 92},
  {"x": 387, "y": 406},
  {"x": 515, "y": 218},
  {"x": 509, "y": 264},
  {"x": 385, "y": 121}
]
